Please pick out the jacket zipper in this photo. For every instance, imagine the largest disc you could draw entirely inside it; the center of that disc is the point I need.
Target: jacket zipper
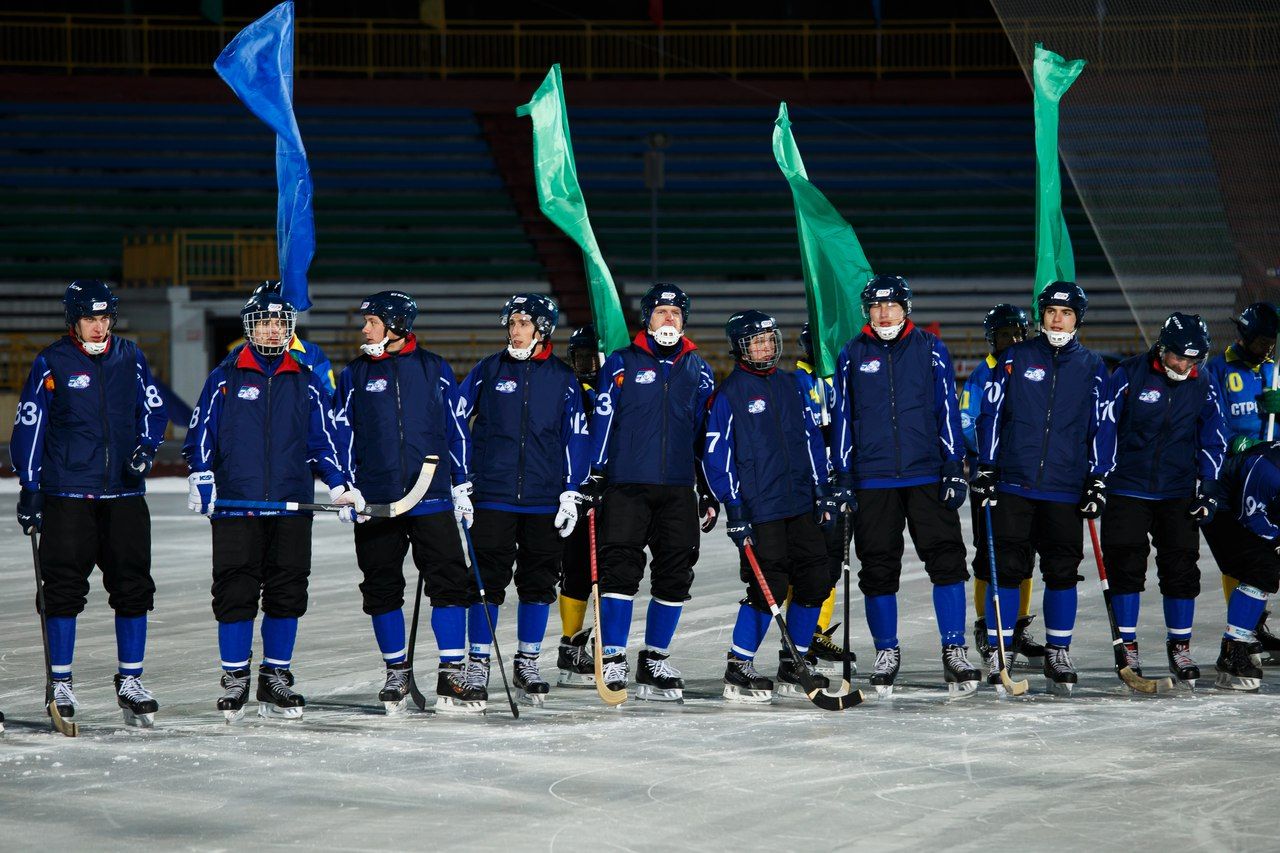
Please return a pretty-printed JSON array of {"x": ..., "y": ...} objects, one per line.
[
  {"x": 1048, "y": 420},
  {"x": 395, "y": 370},
  {"x": 893, "y": 415},
  {"x": 524, "y": 429},
  {"x": 266, "y": 484},
  {"x": 1164, "y": 426},
  {"x": 777, "y": 420},
  {"x": 106, "y": 424}
]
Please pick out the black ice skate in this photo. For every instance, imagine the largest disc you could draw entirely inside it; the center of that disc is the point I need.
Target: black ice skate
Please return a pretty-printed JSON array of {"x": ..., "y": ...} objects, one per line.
[
  {"x": 1180, "y": 663},
  {"x": 886, "y": 672},
  {"x": 615, "y": 671},
  {"x": 743, "y": 683},
  {"x": 577, "y": 668},
  {"x": 788, "y": 684},
  {"x": 1, "y": 722},
  {"x": 828, "y": 653},
  {"x": 981, "y": 643},
  {"x": 1059, "y": 672},
  {"x": 1022, "y": 642},
  {"x": 531, "y": 687},
  {"x": 1131, "y": 657},
  {"x": 276, "y": 697},
  {"x": 235, "y": 686},
  {"x": 136, "y": 702},
  {"x": 64, "y": 698},
  {"x": 1269, "y": 654},
  {"x": 1235, "y": 670},
  {"x": 395, "y": 690},
  {"x": 657, "y": 679},
  {"x": 457, "y": 693},
  {"x": 961, "y": 676}
]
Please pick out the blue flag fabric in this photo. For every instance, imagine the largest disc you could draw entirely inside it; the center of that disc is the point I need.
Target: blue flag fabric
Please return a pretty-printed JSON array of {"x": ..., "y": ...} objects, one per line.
[{"x": 258, "y": 66}]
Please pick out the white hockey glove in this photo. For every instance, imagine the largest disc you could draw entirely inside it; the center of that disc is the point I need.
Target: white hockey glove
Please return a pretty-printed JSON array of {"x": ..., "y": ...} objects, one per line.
[
  {"x": 462, "y": 509},
  {"x": 201, "y": 492},
  {"x": 567, "y": 515},
  {"x": 348, "y": 498}
]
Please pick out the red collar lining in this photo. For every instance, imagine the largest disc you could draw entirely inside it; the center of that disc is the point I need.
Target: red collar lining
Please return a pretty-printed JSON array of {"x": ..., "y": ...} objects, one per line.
[
  {"x": 248, "y": 361},
  {"x": 642, "y": 340}
]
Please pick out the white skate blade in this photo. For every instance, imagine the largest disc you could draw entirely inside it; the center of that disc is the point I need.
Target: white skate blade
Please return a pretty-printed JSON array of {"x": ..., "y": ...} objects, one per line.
[
  {"x": 140, "y": 721},
  {"x": 576, "y": 679},
  {"x": 787, "y": 690},
  {"x": 884, "y": 691},
  {"x": 832, "y": 669},
  {"x": 1226, "y": 681},
  {"x": 534, "y": 700},
  {"x": 741, "y": 696},
  {"x": 396, "y": 709},
  {"x": 1059, "y": 689},
  {"x": 451, "y": 706},
  {"x": 960, "y": 689},
  {"x": 269, "y": 710},
  {"x": 233, "y": 716},
  {"x": 654, "y": 694}
]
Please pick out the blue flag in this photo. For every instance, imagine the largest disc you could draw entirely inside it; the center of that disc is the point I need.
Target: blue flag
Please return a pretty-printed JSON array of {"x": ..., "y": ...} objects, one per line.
[{"x": 258, "y": 66}]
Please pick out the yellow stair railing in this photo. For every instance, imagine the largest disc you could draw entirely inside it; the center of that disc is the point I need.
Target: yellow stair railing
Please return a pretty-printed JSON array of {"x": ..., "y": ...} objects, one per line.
[{"x": 206, "y": 259}]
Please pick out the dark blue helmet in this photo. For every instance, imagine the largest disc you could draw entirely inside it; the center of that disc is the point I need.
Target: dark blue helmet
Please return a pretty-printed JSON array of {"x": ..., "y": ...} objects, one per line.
[
  {"x": 265, "y": 305},
  {"x": 541, "y": 309},
  {"x": 1259, "y": 320},
  {"x": 806, "y": 343},
  {"x": 663, "y": 294},
  {"x": 1066, "y": 294},
  {"x": 584, "y": 338},
  {"x": 1186, "y": 335},
  {"x": 887, "y": 288},
  {"x": 395, "y": 309},
  {"x": 743, "y": 328},
  {"x": 1004, "y": 316},
  {"x": 267, "y": 287},
  {"x": 88, "y": 297},
  {"x": 584, "y": 355}
]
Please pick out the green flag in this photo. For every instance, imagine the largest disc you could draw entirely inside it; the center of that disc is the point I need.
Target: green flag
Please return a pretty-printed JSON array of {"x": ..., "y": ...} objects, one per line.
[
  {"x": 835, "y": 269},
  {"x": 1051, "y": 76},
  {"x": 560, "y": 198}
]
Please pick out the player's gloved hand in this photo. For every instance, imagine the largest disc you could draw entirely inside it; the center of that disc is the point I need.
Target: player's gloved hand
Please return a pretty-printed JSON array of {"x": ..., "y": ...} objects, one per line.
[
  {"x": 843, "y": 493},
  {"x": 143, "y": 458},
  {"x": 567, "y": 514},
  {"x": 738, "y": 527},
  {"x": 593, "y": 488},
  {"x": 952, "y": 489},
  {"x": 983, "y": 485},
  {"x": 1206, "y": 503},
  {"x": 1241, "y": 443},
  {"x": 1094, "y": 499},
  {"x": 463, "y": 511},
  {"x": 1269, "y": 402},
  {"x": 825, "y": 510},
  {"x": 708, "y": 512},
  {"x": 202, "y": 493},
  {"x": 352, "y": 502},
  {"x": 30, "y": 510}
]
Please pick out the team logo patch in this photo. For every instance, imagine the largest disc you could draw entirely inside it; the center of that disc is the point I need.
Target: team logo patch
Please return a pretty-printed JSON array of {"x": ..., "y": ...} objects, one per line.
[
  {"x": 1150, "y": 395},
  {"x": 756, "y": 405},
  {"x": 376, "y": 386},
  {"x": 1035, "y": 374},
  {"x": 871, "y": 365},
  {"x": 78, "y": 380},
  {"x": 505, "y": 385},
  {"x": 646, "y": 376},
  {"x": 99, "y": 306},
  {"x": 248, "y": 392}
]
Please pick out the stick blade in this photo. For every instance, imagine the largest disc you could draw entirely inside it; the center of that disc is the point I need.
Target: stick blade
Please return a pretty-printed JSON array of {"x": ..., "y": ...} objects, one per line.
[
  {"x": 1015, "y": 688},
  {"x": 419, "y": 490},
  {"x": 828, "y": 701},
  {"x": 1144, "y": 685},
  {"x": 61, "y": 723}
]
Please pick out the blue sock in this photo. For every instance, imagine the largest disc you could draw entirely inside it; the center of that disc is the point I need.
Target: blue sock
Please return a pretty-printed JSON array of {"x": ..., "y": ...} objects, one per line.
[
  {"x": 1059, "y": 615},
  {"x": 1179, "y": 614},
  {"x": 1125, "y": 605},
  {"x": 1244, "y": 609},
  {"x": 801, "y": 622},
  {"x": 749, "y": 631},
  {"x": 949, "y": 608},
  {"x": 615, "y": 622},
  {"x": 235, "y": 643},
  {"x": 388, "y": 629},
  {"x": 62, "y": 645},
  {"x": 531, "y": 625},
  {"x": 478, "y": 629},
  {"x": 1010, "y": 601},
  {"x": 449, "y": 624},
  {"x": 278, "y": 635},
  {"x": 882, "y": 619},
  {"x": 660, "y": 624},
  {"x": 131, "y": 643}
]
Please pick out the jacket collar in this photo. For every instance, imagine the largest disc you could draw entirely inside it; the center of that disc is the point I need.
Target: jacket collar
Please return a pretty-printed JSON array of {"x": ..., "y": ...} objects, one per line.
[
  {"x": 644, "y": 341},
  {"x": 541, "y": 355},
  {"x": 410, "y": 344},
  {"x": 1233, "y": 356},
  {"x": 250, "y": 360},
  {"x": 992, "y": 360},
  {"x": 295, "y": 345},
  {"x": 1158, "y": 368},
  {"x": 753, "y": 371},
  {"x": 805, "y": 366},
  {"x": 906, "y": 330}
]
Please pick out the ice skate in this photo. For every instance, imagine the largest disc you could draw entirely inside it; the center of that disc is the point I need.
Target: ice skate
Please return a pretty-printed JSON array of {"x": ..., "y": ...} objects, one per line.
[
  {"x": 1022, "y": 643},
  {"x": 394, "y": 694},
  {"x": 1184, "y": 669},
  {"x": 136, "y": 702},
  {"x": 235, "y": 686},
  {"x": 961, "y": 676},
  {"x": 1059, "y": 672},
  {"x": 981, "y": 643},
  {"x": 457, "y": 693},
  {"x": 1269, "y": 653},
  {"x": 829, "y": 653},
  {"x": 744, "y": 684},
  {"x": 276, "y": 697},
  {"x": 64, "y": 698},
  {"x": 657, "y": 679},
  {"x": 531, "y": 687},
  {"x": 1236, "y": 671},
  {"x": 887, "y": 663},
  {"x": 1131, "y": 657},
  {"x": 1, "y": 722},
  {"x": 615, "y": 671},
  {"x": 577, "y": 668},
  {"x": 788, "y": 684}
]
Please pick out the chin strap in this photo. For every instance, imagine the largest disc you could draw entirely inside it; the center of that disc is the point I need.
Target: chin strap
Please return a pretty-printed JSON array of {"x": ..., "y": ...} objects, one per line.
[
  {"x": 888, "y": 333},
  {"x": 95, "y": 349},
  {"x": 521, "y": 354},
  {"x": 376, "y": 350},
  {"x": 667, "y": 336},
  {"x": 1058, "y": 339}
]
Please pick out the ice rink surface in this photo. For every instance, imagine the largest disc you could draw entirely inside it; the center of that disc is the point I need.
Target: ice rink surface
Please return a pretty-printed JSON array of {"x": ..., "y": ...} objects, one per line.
[{"x": 1102, "y": 771}]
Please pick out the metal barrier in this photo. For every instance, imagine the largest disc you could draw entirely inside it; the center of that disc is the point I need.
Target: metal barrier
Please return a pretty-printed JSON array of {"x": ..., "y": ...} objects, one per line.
[{"x": 208, "y": 259}]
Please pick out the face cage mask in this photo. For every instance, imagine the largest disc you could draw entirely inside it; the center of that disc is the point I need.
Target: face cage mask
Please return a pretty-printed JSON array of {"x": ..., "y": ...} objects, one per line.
[
  {"x": 1170, "y": 372},
  {"x": 888, "y": 333},
  {"x": 666, "y": 336},
  {"x": 252, "y": 319},
  {"x": 1058, "y": 339},
  {"x": 743, "y": 346}
]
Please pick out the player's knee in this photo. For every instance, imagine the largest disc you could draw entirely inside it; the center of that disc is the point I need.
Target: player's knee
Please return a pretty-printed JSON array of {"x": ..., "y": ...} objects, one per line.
[
  {"x": 1058, "y": 577},
  {"x": 878, "y": 582}
]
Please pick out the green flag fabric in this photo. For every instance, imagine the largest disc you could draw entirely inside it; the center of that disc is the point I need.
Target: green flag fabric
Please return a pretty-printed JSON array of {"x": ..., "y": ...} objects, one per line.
[
  {"x": 835, "y": 268},
  {"x": 1051, "y": 76},
  {"x": 560, "y": 198}
]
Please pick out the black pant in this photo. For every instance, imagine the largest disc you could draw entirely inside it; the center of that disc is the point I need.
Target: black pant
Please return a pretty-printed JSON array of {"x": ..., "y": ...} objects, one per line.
[
  {"x": 1053, "y": 530},
  {"x": 114, "y": 534},
  {"x": 1243, "y": 554},
  {"x": 381, "y": 546},
  {"x": 791, "y": 552},
  {"x": 261, "y": 557},
  {"x": 575, "y": 567},
  {"x": 1126, "y": 524},
  {"x": 530, "y": 542},
  {"x": 834, "y": 537},
  {"x": 877, "y": 537},
  {"x": 665, "y": 518}
]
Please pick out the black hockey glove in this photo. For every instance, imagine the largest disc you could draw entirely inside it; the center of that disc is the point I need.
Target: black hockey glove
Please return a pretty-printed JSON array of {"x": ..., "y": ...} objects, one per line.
[
  {"x": 825, "y": 510},
  {"x": 708, "y": 512},
  {"x": 1094, "y": 499},
  {"x": 843, "y": 493},
  {"x": 30, "y": 510},
  {"x": 1205, "y": 505},
  {"x": 738, "y": 527},
  {"x": 983, "y": 485},
  {"x": 953, "y": 488},
  {"x": 593, "y": 489},
  {"x": 143, "y": 458}
]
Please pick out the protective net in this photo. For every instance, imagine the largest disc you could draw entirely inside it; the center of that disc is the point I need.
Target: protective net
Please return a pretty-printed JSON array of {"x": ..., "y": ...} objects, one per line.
[{"x": 1170, "y": 137}]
